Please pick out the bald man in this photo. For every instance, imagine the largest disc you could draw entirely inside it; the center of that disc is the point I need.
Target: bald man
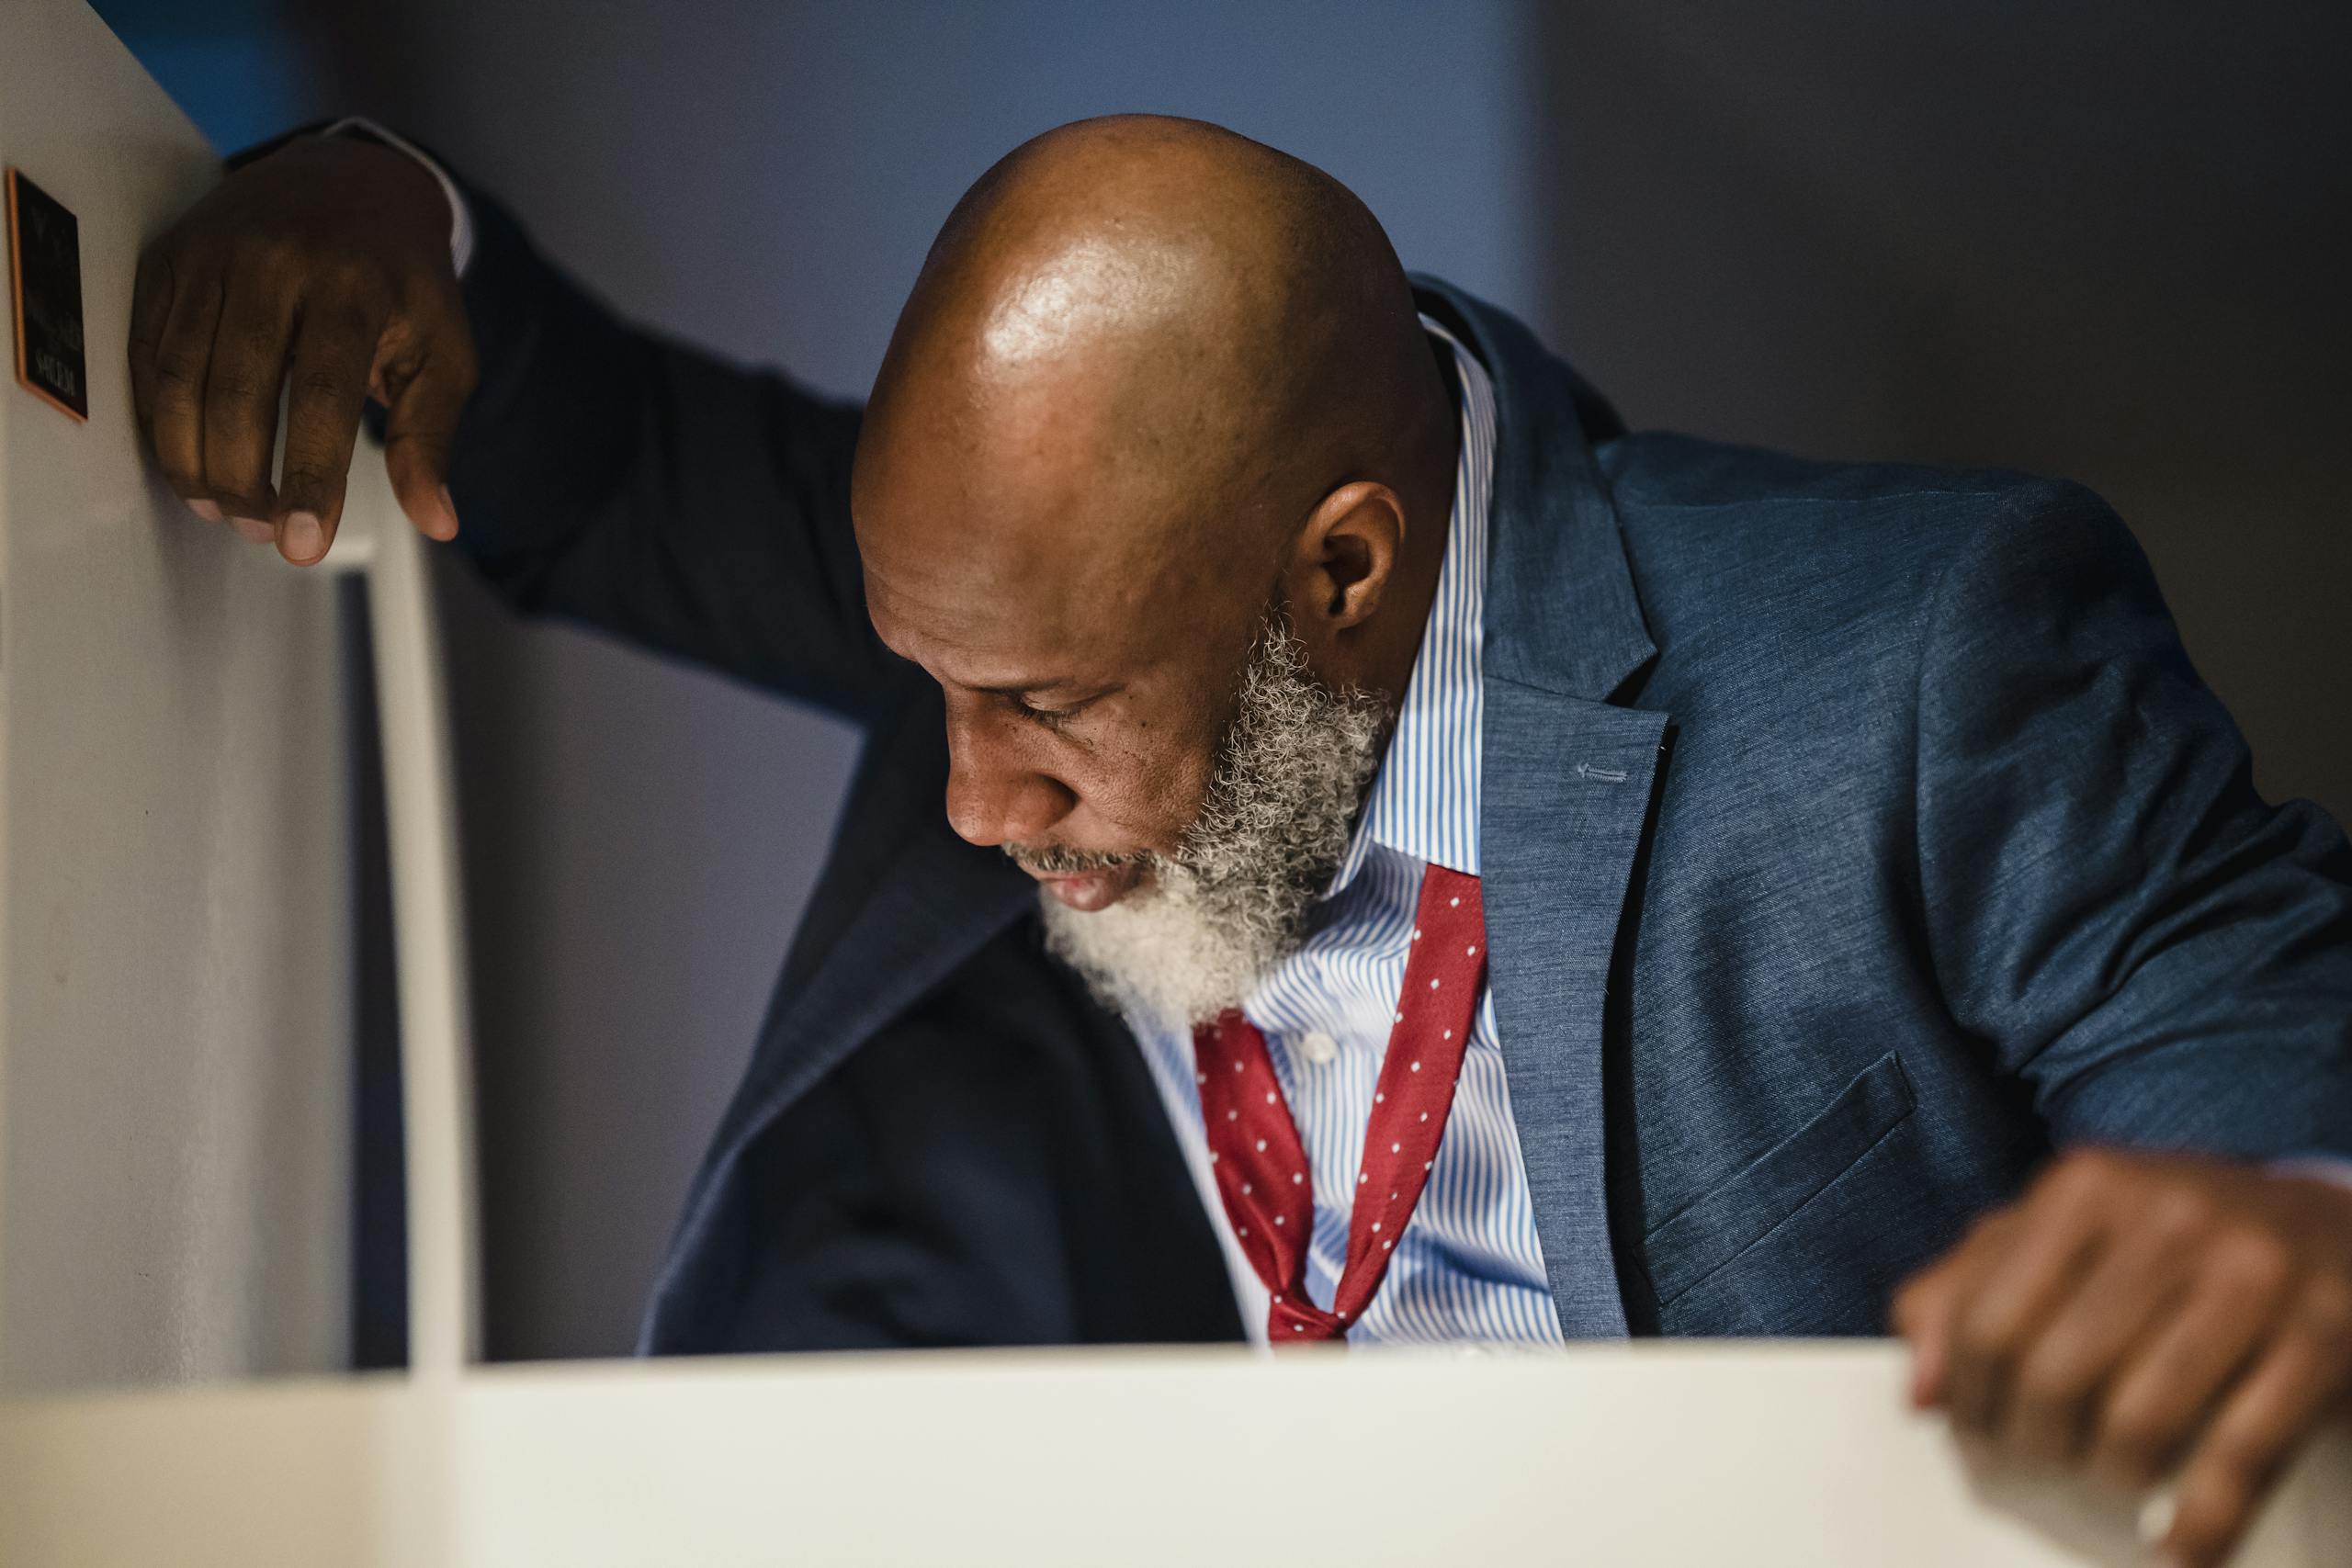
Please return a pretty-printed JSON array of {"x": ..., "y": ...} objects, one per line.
[{"x": 1354, "y": 845}]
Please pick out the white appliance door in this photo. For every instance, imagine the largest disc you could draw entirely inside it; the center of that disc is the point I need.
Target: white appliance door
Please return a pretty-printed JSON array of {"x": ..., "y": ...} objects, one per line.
[
  {"x": 175, "y": 857},
  {"x": 177, "y": 850}
]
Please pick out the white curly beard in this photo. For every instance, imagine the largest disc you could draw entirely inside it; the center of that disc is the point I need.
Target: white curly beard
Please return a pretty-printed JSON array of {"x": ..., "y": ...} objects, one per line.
[{"x": 1207, "y": 923}]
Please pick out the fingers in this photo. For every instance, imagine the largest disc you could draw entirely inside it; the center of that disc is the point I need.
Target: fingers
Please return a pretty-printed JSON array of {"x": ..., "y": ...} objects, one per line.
[
  {"x": 429, "y": 382},
  {"x": 240, "y": 387},
  {"x": 335, "y": 347},
  {"x": 150, "y": 308},
  {"x": 2234, "y": 1465},
  {"x": 1927, "y": 1309},
  {"x": 150, "y": 314},
  {"x": 2157, "y": 1400},
  {"x": 182, "y": 361},
  {"x": 2058, "y": 1377},
  {"x": 321, "y": 271},
  {"x": 2136, "y": 1307},
  {"x": 2046, "y": 1254}
]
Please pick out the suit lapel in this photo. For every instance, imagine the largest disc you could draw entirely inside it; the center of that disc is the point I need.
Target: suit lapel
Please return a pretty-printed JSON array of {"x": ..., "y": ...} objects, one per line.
[
  {"x": 1563, "y": 802},
  {"x": 1566, "y": 787}
]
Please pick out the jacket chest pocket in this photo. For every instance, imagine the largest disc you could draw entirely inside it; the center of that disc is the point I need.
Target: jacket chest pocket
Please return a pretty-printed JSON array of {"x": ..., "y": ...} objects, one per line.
[{"x": 1747, "y": 1206}]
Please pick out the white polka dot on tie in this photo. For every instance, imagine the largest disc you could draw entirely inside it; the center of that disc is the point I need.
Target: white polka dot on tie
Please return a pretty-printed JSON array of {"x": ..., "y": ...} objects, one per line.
[
  {"x": 1278, "y": 1219},
  {"x": 1261, "y": 1146},
  {"x": 1233, "y": 1116},
  {"x": 1269, "y": 1097},
  {"x": 1245, "y": 1230},
  {"x": 1278, "y": 1298},
  {"x": 1425, "y": 1115},
  {"x": 1212, "y": 1156},
  {"x": 1396, "y": 1148},
  {"x": 1343, "y": 1317},
  {"x": 1400, "y": 1017},
  {"x": 1471, "y": 950},
  {"x": 1454, "y": 903},
  {"x": 1375, "y": 1224},
  {"x": 1379, "y": 1098},
  {"x": 1363, "y": 1177},
  {"x": 1429, "y": 1165},
  {"x": 1417, "y": 1067},
  {"x": 1392, "y": 1197},
  {"x": 1236, "y": 1066},
  {"x": 1297, "y": 1328},
  {"x": 1449, "y": 1034},
  {"x": 1200, "y": 1078},
  {"x": 1432, "y": 985},
  {"x": 1296, "y": 1176},
  {"x": 1417, "y": 933},
  {"x": 1386, "y": 1245},
  {"x": 1245, "y": 1189}
]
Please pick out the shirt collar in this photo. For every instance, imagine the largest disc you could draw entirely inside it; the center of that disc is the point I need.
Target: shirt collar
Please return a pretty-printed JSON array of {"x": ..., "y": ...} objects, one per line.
[{"x": 1424, "y": 800}]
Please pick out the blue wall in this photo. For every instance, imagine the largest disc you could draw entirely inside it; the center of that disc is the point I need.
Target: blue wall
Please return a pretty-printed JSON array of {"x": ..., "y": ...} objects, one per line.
[{"x": 233, "y": 66}]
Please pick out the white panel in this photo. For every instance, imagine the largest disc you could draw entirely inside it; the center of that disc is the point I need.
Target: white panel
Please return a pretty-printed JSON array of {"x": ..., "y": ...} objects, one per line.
[
  {"x": 175, "y": 875},
  {"x": 1676, "y": 1456},
  {"x": 428, "y": 920}
]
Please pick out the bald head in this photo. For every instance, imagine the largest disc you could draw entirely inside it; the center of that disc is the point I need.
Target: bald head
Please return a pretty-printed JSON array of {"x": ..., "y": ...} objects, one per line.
[
  {"x": 1198, "y": 307},
  {"x": 1145, "y": 359}
]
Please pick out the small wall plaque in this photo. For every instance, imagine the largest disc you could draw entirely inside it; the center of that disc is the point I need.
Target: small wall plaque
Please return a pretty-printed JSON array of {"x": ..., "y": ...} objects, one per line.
[{"x": 45, "y": 266}]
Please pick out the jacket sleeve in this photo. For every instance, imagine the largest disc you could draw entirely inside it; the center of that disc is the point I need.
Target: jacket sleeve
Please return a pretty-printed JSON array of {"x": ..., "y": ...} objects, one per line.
[
  {"x": 2162, "y": 957},
  {"x": 613, "y": 476}
]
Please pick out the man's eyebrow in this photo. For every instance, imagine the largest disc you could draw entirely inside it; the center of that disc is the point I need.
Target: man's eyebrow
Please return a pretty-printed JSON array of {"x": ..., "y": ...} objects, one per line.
[
  {"x": 1089, "y": 691},
  {"x": 1023, "y": 688}
]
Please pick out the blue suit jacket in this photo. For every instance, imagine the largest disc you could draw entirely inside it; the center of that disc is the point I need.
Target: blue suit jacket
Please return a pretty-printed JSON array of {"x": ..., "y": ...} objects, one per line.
[{"x": 1853, "y": 835}]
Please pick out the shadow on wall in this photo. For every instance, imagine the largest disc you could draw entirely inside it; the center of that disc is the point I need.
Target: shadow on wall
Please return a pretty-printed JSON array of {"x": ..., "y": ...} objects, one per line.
[{"x": 2104, "y": 241}]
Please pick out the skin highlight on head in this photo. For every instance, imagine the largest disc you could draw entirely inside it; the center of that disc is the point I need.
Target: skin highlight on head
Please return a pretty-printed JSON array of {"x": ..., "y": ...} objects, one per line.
[{"x": 1156, "y": 389}]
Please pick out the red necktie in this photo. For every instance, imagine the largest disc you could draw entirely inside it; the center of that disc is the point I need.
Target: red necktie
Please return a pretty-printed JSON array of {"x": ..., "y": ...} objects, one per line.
[{"x": 1253, "y": 1145}]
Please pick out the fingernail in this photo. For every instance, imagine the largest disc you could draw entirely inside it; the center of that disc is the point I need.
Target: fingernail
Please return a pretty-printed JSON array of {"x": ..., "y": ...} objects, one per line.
[
  {"x": 302, "y": 540},
  {"x": 205, "y": 509},
  {"x": 450, "y": 507},
  {"x": 254, "y": 529}
]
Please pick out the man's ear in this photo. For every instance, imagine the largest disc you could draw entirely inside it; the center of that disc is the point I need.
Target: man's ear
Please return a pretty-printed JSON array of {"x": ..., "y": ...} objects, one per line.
[{"x": 1345, "y": 559}]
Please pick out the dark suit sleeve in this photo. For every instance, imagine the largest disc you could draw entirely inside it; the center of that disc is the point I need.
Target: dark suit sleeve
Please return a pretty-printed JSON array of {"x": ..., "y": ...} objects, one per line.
[
  {"x": 2162, "y": 957},
  {"x": 613, "y": 476}
]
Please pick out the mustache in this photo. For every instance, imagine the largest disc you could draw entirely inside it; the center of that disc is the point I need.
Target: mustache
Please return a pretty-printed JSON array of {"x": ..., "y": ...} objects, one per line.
[{"x": 1059, "y": 860}]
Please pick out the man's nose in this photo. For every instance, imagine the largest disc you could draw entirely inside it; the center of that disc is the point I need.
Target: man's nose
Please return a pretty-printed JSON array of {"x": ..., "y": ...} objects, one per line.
[{"x": 994, "y": 794}]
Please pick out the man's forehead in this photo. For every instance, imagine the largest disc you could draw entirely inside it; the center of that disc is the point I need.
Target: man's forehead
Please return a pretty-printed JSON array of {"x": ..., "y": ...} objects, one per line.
[{"x": 992, "y": 618}]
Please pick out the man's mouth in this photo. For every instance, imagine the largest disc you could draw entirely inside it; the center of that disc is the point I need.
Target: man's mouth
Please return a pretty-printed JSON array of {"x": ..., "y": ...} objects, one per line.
[{"x": 1085, "y": 887}]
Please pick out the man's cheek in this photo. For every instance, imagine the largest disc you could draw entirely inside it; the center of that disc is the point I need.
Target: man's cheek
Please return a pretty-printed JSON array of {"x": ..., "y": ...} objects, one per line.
[{"x": 1149, "y": 795}]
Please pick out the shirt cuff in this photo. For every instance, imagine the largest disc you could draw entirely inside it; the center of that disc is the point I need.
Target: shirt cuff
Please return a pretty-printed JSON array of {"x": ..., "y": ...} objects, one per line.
[
  {"x": 2318, "y": 1167},
  {"x": 461, "y": 218}
]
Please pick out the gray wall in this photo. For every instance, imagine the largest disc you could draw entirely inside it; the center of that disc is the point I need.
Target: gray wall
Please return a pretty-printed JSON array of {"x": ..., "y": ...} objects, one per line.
[
  {"x": 2105, "y": 239},
  {"x": 765, "y": 178}
]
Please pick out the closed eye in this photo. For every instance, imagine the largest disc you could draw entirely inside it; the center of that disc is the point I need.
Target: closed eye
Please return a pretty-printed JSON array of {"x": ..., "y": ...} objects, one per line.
[{"x": 1051, "y": 718}]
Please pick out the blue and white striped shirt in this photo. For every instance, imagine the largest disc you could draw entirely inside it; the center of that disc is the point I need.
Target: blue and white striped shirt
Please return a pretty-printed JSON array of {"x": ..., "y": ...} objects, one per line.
[{"x": 1469, "y": 1266}]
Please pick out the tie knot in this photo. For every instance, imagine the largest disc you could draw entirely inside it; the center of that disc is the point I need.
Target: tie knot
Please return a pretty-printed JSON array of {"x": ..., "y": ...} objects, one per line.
[{"x": 1295, "y": 1321}]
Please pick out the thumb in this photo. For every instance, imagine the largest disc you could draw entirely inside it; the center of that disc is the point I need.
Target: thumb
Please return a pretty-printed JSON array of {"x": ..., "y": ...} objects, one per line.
[
  {"x": 1925, "y": 1313},
  {"x": 1927, "y": 1306},
  {"x": 420, "y": 428}
]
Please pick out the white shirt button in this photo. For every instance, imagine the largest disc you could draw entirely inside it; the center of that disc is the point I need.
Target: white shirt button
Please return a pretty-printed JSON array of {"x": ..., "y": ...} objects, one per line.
[{"x": 1319, "y": 1048}]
